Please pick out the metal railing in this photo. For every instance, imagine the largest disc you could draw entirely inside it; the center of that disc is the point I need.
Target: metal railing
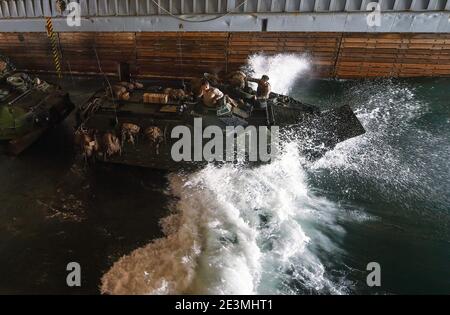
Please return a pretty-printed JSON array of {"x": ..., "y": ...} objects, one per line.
[{"x": 99, "y": 8}]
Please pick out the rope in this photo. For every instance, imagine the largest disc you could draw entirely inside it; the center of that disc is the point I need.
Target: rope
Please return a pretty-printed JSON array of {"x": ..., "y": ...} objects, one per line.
[
  {"x": 180, "y": 47},
  {"x": 109, "y": 84},
  {"x": 198, "y": 21}
]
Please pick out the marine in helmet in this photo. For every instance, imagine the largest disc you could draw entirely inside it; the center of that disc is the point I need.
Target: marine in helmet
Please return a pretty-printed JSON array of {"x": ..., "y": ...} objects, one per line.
[{"x": 237, "y": 79}]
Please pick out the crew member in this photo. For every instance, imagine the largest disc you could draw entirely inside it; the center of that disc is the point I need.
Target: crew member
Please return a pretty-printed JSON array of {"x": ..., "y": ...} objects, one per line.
[
  {"x": 209, "y": 94},
  {"x": 237, "y": 79},
  {"x": 264, "y": 87}
]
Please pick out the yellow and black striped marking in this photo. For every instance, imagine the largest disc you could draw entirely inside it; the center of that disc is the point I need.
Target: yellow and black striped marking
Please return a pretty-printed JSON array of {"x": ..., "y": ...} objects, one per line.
[{"x": 55, "y": 48}]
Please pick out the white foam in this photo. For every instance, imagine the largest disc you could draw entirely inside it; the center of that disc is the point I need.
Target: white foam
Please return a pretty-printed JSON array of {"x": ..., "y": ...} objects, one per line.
[
  {"x": 387, "y": 110},
  {"x": 234, "y": 231},
  {"x": 283, "y": 69},
  {"x": 237, "y": 230}
]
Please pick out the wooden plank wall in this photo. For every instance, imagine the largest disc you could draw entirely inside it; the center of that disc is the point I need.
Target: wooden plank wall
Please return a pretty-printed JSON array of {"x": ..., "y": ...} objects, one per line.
[
  {"x": 175, "y": 54},
  {"x": 349, "y": 55},
  {"x": 396, "y": 55},
  {"x": 27, "y": 50}
]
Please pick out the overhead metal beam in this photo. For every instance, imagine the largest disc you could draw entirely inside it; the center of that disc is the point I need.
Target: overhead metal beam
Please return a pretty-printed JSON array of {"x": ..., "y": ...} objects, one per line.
[
  {"x": 410, "y": 22},
  {"x": 34, "y": 8}
]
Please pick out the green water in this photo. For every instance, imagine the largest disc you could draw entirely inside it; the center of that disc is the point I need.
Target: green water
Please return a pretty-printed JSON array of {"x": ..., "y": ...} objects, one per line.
[{"x": 397, "y": 175}]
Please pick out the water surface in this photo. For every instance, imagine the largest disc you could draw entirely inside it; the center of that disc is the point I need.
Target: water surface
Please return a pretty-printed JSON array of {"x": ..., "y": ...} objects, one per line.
[{"x": 291, "y": 227}]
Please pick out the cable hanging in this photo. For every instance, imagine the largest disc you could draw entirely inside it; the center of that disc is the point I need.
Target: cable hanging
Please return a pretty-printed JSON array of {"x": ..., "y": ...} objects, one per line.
[
  {"x": 109, "y": 84},
  {"x": 198, "y": 21}
]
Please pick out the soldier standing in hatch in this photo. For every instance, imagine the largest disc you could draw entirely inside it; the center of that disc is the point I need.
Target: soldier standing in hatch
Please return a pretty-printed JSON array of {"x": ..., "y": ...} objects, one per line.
[
  {"x": 264, "y": 88},
  {"x": 239, "y": 90},
  {"x": 237, "y": 79}
]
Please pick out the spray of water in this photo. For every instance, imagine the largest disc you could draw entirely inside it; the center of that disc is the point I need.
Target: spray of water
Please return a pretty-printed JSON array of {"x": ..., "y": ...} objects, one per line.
[
  {"x": 389, "y": 112},
  {"x": 234, "y": 230},
  {"x": 239, "y": 230},
  {"x": 282, "y": 69},
  {"x": 264, "y": 230}
]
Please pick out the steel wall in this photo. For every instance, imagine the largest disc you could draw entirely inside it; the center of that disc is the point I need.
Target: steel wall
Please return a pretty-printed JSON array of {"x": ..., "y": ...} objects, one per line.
[
  {"x": 94, "y": 8},
  {"x": 411, "y": 16}
]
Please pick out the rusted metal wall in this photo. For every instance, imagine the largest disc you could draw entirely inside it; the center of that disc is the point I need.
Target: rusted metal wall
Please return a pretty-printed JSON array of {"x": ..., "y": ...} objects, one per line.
[{"x": 187, "y": 54}]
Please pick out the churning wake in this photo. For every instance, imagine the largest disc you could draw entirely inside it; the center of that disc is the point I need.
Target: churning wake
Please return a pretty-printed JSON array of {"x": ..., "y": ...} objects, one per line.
[
  {"x": 234, "y": 230},
  {"x": 264, "y": 230}
]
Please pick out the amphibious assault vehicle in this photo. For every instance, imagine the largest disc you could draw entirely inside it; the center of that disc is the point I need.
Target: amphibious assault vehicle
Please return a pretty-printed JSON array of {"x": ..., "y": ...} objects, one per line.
[
  {"x": 28, "y": 107},
  {"x": 144, "y": 125}
]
